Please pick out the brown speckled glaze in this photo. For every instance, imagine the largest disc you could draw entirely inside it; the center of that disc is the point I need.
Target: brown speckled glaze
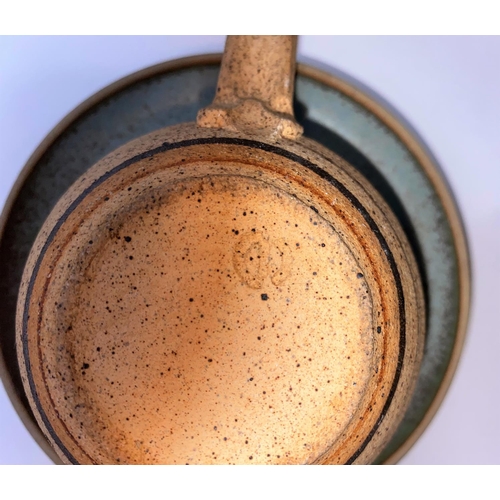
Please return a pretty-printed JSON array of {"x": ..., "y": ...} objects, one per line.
[{"x": 206, "y": 297}]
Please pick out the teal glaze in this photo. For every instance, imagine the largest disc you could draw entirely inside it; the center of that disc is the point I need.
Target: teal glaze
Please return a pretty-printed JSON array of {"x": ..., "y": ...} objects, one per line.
[{"x": 328, "y": 117}]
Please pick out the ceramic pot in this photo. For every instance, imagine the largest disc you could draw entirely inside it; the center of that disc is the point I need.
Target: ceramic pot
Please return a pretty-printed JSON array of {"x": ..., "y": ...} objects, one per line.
[{"x": 222, "y": 292}]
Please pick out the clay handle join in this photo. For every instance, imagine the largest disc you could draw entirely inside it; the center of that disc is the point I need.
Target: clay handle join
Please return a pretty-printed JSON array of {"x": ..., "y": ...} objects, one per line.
[{"x": 255, "y": 88}]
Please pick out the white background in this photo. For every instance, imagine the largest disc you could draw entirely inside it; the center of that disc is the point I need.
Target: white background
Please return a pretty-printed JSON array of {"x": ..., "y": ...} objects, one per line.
[{"x": 447, "y": 88}]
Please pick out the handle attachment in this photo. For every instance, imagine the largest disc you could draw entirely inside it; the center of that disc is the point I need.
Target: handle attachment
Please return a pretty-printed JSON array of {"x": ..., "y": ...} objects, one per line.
[{"x": 255, "y": 88}]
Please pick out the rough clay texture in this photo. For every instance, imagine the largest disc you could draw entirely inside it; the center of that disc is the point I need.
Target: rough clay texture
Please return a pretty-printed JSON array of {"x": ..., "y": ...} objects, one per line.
[
  {"x": 255, "y": 88},
  {"x": 238, "y": 310}
]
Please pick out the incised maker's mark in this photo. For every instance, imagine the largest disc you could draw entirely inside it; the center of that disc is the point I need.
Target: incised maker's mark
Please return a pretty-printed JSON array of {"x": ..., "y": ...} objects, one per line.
[{"x": 255, "y": 258}]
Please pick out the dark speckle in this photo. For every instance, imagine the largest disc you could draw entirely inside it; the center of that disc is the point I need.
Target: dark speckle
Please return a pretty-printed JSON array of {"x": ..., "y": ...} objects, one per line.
[
  {"x": 359, "y": 275},
  {"x": 264, "y": 296},
  {"x": 128, "y": 239},
  {"x": 379, "y": 329}
]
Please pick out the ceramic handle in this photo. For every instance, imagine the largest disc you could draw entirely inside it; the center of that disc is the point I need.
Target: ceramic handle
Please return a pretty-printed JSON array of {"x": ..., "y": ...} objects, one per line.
[{"x": 255, "y": 88}]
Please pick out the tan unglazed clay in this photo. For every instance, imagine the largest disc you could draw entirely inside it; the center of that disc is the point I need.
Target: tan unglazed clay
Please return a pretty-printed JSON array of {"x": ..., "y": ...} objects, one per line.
[{"x": 211, "y": 296}]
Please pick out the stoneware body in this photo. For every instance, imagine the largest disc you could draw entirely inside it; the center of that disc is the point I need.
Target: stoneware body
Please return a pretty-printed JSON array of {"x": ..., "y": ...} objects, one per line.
[
  {"x": 213, "y": 299},
  {"x": 204, "y": 295}
]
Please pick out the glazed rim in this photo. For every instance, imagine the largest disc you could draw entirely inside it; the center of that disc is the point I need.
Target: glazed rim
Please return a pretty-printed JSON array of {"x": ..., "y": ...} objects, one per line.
[{"x": 388, "y": 117}]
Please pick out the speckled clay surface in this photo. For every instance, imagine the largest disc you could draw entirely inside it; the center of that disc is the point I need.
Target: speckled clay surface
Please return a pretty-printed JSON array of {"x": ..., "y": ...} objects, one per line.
[
  {"x": 149, "y": 333},
  {"x": 255, "y": 87},
  {"x": 197, "y": 349}
]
